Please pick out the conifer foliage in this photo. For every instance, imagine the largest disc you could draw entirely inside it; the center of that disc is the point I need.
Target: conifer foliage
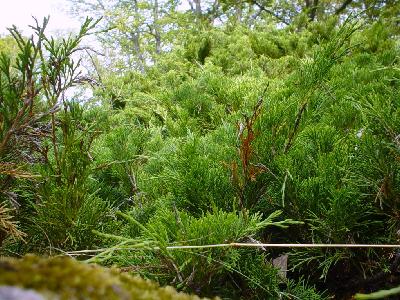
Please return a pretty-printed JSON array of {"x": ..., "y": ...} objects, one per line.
[{"x": 258, "y": 122}]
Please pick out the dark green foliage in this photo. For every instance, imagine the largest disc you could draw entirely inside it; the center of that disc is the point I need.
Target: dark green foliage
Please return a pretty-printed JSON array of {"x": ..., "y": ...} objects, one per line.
[
  {"x": 67, "y": 208},
  {"x": 194, "y": 269},
  {"x": 315, "y": 144},
  {"x": 204, "y": 50},
  {"x": 48, "y": 136},
  {"x": 227, "y": 124}
]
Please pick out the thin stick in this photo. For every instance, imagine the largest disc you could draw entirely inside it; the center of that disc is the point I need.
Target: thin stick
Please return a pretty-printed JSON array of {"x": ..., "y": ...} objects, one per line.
[
  {"x": 285, "y": 246},
  {"x": 252, "y": 245}
]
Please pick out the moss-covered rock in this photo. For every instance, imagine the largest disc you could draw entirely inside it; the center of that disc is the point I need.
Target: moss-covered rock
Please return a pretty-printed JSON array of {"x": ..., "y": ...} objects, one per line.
[{"x": 65, "y": 278}]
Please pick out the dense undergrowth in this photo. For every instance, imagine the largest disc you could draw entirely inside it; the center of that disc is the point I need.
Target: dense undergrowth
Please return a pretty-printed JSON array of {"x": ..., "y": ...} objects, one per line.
[{"x": 238, "y": 134}]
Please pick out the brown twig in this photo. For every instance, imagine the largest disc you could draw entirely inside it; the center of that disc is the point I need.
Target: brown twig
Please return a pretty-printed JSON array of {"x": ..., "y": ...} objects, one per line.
[{"x": 296, "y": 126}]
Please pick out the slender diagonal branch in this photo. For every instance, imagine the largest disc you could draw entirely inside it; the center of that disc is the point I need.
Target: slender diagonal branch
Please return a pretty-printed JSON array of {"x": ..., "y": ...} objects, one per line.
[
  {"x": 342, "y": 7},
  {"x": 263, "y": 8}
]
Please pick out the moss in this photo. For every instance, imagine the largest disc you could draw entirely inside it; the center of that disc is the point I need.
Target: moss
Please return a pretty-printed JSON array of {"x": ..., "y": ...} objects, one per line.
[{"x": 65, "y": 278}]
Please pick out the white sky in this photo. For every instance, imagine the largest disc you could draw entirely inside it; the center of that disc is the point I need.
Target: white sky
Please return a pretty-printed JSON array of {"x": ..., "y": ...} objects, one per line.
[{"x": 20, "y": 12}]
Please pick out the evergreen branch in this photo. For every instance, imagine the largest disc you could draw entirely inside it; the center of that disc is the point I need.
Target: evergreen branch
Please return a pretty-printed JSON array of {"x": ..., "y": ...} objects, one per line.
[
  {"x": 116, "y": 162},
  {"x": 379, "y": 294}
]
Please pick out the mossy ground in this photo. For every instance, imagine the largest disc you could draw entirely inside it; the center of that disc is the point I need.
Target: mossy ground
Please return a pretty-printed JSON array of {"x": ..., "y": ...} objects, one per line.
[{"x": 65, "y": 278}]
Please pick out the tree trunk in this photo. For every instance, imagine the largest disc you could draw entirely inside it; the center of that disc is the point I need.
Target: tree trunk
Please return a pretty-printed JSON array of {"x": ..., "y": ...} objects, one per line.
[
  {"x": 135, "y": 36},
  {"x": 157, "y": 31},
  {"x": 198, "y": 11},
  {"x": 313, "y": 10},
  {"x": 239, "y": 12}
]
